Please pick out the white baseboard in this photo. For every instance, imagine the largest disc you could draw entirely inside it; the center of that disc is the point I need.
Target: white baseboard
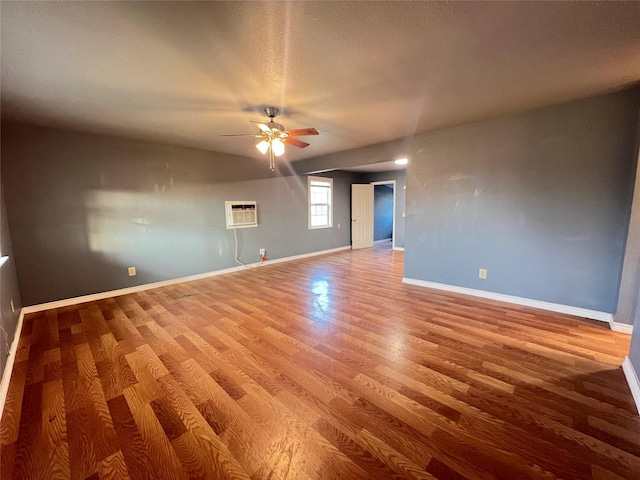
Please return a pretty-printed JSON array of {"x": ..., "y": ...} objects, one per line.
[
  {"x": 306, "y": 255},
  {"x": 399, "y": 248},
  {"x": 8, "y": 367},
  {"x": 527, "y": 302},
  {"x": 384, "y": 240},
  {"x": 621, "y": 327},
  {"x": 632, "y": 380},
  {"x": 148, "y": 286}
]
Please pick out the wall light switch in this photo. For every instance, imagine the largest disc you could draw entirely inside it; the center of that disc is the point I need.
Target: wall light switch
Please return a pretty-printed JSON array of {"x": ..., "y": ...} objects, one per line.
[
  {"x": 132, "y": 271},
  {"x": 482, "y": 273},
  {"x": 338, "y": 225}
]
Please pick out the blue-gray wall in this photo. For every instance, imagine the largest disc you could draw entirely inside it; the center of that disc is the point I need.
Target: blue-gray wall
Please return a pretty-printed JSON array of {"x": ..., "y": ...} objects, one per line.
[
  {"x": 540, "y": 199},
  {"x": 382, "y": 212},
  {"x": 8, "y": 289},
  {"x": 630, "y": 278},
  {"x": 400, "y": 176},
  {"x": 82, "y": 208},
  {"x": 629, "y": 298},
  {"x": 634, "y": 350}
]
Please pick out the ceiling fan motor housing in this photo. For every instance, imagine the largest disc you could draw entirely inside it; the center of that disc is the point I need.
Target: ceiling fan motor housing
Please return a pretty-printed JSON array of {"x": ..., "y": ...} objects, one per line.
[{"x": 271, "y": 112}]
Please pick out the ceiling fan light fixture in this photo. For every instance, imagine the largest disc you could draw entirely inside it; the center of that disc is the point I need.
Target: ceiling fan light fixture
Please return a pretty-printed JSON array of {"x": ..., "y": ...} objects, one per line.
[
  {"x": 263, "y": 146},
  {"x": 277, "y": 146},
  {"x": 402, "y": 161},
  {"x": 273, "y": 136}
]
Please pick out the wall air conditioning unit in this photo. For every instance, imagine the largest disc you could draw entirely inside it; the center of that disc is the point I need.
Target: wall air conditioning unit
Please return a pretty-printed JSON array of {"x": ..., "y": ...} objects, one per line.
[{"x": 241, "y": 214}]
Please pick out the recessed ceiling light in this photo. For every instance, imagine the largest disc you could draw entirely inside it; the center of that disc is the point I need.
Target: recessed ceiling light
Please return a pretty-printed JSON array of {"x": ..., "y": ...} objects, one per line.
[{"x": 402, "y": 161}]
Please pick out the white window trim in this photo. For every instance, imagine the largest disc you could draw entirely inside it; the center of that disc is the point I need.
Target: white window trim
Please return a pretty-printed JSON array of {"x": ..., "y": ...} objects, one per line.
[{"x": 324, "y": 180}]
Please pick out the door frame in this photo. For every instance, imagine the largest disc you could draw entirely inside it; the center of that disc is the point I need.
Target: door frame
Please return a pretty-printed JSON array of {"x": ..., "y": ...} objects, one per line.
[{"x": 393, "y": 233}]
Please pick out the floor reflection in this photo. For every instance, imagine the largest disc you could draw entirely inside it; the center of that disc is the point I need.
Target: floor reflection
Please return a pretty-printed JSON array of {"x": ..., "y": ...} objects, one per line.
[{"x": 321, "y": 301}]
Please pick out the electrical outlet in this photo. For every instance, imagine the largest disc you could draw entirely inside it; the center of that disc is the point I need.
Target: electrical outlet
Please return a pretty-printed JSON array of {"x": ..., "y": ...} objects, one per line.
[
  {"x": 132, "y": 271},
  {"x": 338, "y": 225},
  {"x": 263, "y": 251},
  {"x": 482, "y": 273},
  {"x": 13, "y": 307}
]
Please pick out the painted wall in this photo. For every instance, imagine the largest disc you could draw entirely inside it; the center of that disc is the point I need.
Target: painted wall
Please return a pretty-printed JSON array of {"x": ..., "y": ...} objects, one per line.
[
  {"x": 82, "y": 208},
  {"x": 8, "y": 289},
  {"x": 634, "y": 349},
  {"x": 382, "y": 212},
  {"x": 540, "y": 199},
  {"x": 630, "y": 280},
  {"x": 629, "y": 299},
  {"x": 400, "y": 176}
]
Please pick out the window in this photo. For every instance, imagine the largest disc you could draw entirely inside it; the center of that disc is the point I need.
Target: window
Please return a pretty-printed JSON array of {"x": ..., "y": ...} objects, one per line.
[{"x": 320, "y": 202}]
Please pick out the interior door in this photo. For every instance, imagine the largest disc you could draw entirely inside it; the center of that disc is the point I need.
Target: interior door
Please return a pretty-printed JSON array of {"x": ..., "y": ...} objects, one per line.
[{"x": 361, "y": 216}]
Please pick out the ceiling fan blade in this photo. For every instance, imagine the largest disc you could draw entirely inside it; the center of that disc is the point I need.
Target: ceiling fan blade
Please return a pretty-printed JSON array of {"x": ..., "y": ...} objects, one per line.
[
  {"x": 240, "y": 135},
  {"x": 295, "y": 142},
  {"x": 301, "y": 132},
  {"x": 261, "y": 126}
]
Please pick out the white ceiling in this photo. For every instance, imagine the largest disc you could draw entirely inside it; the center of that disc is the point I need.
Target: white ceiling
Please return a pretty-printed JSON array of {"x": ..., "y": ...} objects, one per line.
[{"x": 360, "y": 72}]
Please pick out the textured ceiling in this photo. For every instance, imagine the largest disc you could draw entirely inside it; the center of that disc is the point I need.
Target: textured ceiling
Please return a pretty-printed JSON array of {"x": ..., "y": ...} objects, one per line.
[{"x": 360, "y": 72}]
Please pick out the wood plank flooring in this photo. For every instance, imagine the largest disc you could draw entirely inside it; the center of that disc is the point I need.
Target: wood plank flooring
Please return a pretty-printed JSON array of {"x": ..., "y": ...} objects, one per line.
[{"x": 323, "y": 368}]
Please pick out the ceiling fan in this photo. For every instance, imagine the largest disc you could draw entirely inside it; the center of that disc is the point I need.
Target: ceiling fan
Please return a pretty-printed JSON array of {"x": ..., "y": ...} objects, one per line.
[{"x": 273, "y": 136}]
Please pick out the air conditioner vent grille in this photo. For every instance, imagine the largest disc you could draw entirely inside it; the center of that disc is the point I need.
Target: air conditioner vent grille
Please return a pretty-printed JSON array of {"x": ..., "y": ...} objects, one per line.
[{"x": 241, "y": 214}]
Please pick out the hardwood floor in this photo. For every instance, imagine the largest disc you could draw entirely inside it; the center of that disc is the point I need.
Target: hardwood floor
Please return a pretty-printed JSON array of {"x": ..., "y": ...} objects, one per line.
[{"x": 327, "y": 367}]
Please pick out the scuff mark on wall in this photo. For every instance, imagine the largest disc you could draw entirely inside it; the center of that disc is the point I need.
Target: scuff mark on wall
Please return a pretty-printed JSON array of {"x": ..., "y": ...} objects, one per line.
[{"x": 459, "y": 177}]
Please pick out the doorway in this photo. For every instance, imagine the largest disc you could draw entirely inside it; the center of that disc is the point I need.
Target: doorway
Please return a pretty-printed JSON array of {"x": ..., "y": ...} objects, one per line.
[
  {"x": 364, "y": 211},
  {"x": 384, "y": 206}
]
